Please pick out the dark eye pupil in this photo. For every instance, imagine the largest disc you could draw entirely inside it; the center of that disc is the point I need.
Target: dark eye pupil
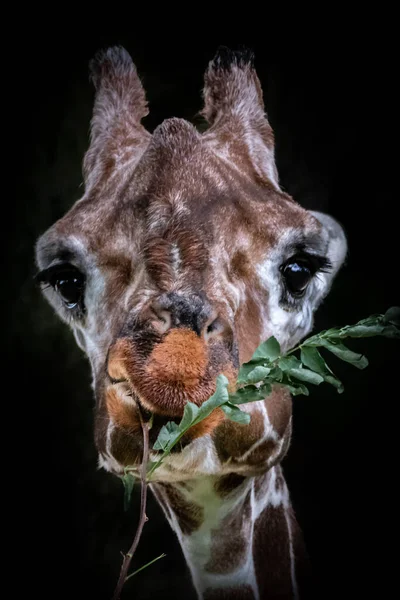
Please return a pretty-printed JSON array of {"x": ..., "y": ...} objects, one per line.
[
  {"x": 297, "y": 276},
  {"x": 70, "y": 289}
]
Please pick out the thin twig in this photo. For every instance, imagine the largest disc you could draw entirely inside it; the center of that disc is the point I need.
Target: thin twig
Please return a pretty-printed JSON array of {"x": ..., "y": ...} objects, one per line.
[
  {"x": 142, "y": 518},
  {"x": 145, "y": 566}
]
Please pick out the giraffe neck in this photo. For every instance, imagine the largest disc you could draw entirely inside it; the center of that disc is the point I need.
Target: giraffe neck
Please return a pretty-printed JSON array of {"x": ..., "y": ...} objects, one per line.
[{"x": 238, "y": 534}]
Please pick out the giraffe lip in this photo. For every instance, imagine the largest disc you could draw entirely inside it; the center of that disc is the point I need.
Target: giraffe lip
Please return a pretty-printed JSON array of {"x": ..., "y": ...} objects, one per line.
[
  {"x": 129, "y": 395},
  {"x": 162, "y": 398}
]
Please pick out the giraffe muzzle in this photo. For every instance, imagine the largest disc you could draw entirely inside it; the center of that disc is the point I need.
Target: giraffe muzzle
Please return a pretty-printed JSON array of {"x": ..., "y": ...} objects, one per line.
[{"x": 180, "y": 368}]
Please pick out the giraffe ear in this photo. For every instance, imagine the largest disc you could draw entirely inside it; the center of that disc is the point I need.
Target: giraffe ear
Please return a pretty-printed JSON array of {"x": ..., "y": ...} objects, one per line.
[
  {"x": 234, "y": 108},
  {"x": 116, "y": 134},
  {"x": 334, "y": 237},
  {"x": 335, "y": 242}
]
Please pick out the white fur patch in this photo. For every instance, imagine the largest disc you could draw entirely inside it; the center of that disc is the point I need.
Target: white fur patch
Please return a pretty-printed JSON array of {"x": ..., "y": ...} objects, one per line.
[{"x": 197, "y": 546}]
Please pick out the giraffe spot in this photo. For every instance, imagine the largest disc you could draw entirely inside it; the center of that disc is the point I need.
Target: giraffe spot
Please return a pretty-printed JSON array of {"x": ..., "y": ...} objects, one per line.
[
  {"x": 279, "y": 408},
  {"x": 125, "y": 448},
  {"x": 232, "y": 440},
  {"x": 230, "y": 542},
  {"x": 228, "y": 483},
  {"x": 261, "y": 454},
  {"x": 239, "y": 592},
  {"x": 271, "y": 551},
  {"x": 189, "y": 515}
]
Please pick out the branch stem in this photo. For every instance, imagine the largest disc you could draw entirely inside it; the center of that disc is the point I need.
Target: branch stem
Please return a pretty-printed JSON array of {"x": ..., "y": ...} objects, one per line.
[{"x": 123, "y": 576}]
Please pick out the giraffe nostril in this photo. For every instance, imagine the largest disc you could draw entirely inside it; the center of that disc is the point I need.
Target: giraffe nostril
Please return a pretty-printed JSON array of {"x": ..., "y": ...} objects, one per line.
[{"x": 213, "y": 328}]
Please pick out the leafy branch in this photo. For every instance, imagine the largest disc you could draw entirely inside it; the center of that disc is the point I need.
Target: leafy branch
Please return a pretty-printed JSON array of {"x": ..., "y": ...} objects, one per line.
[{"x": 267, "y": 367}]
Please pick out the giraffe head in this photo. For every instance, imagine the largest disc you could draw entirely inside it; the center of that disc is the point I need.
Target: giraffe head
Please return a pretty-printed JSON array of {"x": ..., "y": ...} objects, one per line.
[{"x": 181, "y": 257}]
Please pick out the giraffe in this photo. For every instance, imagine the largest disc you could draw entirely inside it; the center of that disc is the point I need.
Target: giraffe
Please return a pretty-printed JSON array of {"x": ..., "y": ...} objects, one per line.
[{"x": 183, "y": 254}]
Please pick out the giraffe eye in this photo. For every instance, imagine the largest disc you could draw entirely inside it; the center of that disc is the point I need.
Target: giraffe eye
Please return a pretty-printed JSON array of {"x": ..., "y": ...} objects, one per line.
[
  {"x": 67, "y": 281},
  {"x": 300, "y": 269},
  {"x": 297, "y": 274}
]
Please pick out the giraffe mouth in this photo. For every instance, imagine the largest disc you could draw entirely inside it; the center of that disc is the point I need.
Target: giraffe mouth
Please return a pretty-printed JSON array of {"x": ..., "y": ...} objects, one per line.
[
  {"x": 128, "y": 396},
  {"x": 178, "y": 370},
  {"x": 128, "y": 413}
]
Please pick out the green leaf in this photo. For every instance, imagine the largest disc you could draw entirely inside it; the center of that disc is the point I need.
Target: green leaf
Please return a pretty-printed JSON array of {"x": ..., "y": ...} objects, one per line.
[
  {"x": 289, "y": 362},
  {"x": 235, "y": 414},
  {"x": 265, "y": 389},
  {"x": 357, "y": 360},
  {"x": 312, "y": 359},
  {"x": 269, "y": 349},
  {"x": 297, "y": 389},
  {"x": 361, "y": 331},
  {"x": 168, "y": 433},
  {"x": 258, "y": 374},
  {"x": 246, "y": 368},
  {"x": 219, "y": 397},
  {"x": 275, "y": 375},
  {"x": 171, "y": 433},
  {"x": 250, "y": 393},
  {"x": 335, "y": 382},
  {"x": 129, "y": 481},
  {"x": 306, "y": 375},
  {"x": 386, "y": 325},
  {"x": 189, "y": 415}
]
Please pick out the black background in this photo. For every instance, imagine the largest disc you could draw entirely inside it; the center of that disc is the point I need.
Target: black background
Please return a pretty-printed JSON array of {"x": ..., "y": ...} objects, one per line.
[{"x": 330, "y": 97}]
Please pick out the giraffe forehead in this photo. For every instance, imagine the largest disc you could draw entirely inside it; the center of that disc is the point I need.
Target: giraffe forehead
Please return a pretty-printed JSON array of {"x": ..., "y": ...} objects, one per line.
[
  {"x": 181, "y": 214},
  {"x": 181, "y": 186}
]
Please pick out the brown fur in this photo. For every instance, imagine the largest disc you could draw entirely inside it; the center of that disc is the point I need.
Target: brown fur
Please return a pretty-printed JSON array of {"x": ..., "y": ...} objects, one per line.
[
  {"x": 126, "y": 451},
  {"x": 279, "y": 408},
  {"x": 260, "y": 455},
  {"x": 182, "y": 356},
  {"x": 188, "y": 514},
  {"x": 232, "y": 440},
  {"x": 117, "y": 360},
  {"x": 176, "y": 371},
  {"x": 158, "y": 254},
  {"x": 271, "y": 554},
  {"x": 228, "y": 483},
  {"x": 123, "y": 415}
]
